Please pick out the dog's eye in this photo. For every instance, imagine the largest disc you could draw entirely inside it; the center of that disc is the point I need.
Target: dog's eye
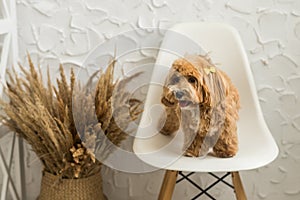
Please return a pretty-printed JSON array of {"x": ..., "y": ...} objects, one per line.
[
  {"x": 174, "y": 80},
  {"x": 192, "y": 79}
]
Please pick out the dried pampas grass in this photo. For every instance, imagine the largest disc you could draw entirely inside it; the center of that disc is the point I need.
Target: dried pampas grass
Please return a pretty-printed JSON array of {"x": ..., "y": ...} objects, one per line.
[{"x": 70, "y": 128}]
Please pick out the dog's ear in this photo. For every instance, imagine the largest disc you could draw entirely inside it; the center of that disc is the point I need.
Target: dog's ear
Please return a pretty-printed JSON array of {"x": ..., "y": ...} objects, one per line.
[
  {"x": 212, "y": 89},
  {"x": 204, "y": 94},
  {"x": 219, "y": 87}
]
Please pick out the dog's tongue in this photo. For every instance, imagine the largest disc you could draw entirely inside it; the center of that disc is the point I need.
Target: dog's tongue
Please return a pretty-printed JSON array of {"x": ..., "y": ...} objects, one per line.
[{"x": 184, "y": 103}]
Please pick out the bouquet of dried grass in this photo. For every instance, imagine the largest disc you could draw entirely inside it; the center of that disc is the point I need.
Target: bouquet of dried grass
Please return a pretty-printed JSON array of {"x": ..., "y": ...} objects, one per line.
[{"x": 69, "y": 127}]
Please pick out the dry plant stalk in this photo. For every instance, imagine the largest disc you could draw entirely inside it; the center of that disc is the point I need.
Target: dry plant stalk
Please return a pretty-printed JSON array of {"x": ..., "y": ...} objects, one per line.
[{"x": 67, "y": 125}]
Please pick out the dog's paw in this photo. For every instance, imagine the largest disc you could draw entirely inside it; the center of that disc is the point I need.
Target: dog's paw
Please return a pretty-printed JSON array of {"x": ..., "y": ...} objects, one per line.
[
  {"x": 224, "y": 154},
  {"x": 165, "y": 132},
  {"x": 166, "y": 102},
  {"x": 169, "y": 100},
  {"x": 169, "y": 129},
  {"x": 189, "y": 154}
]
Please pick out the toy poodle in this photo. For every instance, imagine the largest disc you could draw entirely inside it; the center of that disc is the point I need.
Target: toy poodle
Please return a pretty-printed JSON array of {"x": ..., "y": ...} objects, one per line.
[{"x": 202, "y": 101}]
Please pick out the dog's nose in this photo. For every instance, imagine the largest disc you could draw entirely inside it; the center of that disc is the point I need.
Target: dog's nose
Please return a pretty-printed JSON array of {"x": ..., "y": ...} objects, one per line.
[{"x": 179, "y": 94}]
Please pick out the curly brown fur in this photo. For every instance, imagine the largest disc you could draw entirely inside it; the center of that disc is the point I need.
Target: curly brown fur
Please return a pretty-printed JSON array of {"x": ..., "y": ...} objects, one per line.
[{"x": 203, "y": 100}]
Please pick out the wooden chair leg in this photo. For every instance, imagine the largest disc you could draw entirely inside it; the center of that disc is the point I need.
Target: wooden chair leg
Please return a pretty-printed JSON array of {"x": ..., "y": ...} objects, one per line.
[
  {"x": 168, "y": 185},
  {"x": 238, "y": 186}
]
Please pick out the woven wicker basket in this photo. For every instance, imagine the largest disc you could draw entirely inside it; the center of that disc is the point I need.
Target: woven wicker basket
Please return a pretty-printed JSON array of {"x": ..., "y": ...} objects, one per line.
[{"x": 71, "y": 189}]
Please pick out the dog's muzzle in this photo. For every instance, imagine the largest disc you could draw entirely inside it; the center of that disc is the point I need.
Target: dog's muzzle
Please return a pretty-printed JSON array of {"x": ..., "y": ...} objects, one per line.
[{"x": 179, "y": 95}]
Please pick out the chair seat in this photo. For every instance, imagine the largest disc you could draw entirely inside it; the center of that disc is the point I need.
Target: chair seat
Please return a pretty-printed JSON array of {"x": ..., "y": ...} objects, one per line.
[
  {"x": 256, "y": 144},
  {"x": 250, "y": 156}
]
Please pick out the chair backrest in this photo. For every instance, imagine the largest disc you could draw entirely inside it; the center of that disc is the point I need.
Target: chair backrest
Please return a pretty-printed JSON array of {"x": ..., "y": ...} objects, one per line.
[{"x": 222, "y": 44}]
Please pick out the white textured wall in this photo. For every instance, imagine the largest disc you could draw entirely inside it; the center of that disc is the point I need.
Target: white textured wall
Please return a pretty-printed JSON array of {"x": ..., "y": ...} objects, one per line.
[{"x": 63, "y": 31}]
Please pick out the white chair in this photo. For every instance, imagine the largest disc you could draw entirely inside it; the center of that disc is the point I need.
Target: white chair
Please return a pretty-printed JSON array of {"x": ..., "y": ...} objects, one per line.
[
  {"x": 256, "y": 144},
  {"x": 9, "y": 57}
]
